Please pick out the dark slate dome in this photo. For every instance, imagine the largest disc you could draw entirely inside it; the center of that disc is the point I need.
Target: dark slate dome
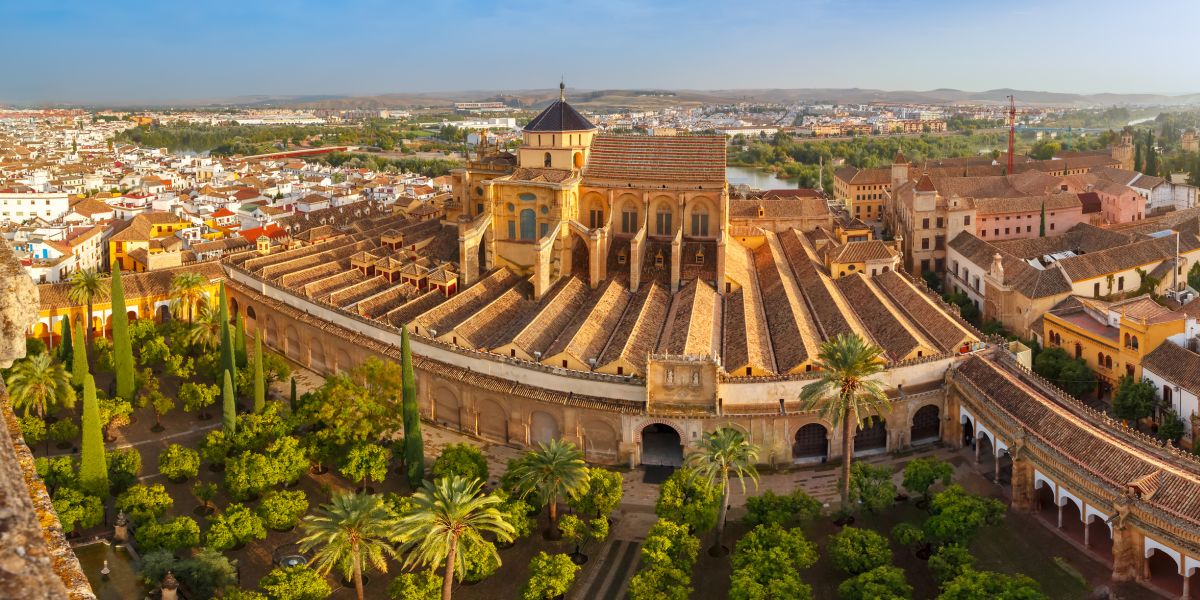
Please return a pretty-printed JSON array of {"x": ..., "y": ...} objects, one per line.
[{"x": 559, "y": 116}]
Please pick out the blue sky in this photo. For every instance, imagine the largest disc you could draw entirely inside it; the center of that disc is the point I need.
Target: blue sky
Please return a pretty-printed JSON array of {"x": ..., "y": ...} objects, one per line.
[{"x": 113, "y": 51}]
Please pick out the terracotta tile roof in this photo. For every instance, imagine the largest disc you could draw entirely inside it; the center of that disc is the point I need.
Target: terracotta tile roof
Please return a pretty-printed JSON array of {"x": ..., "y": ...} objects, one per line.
[
  {"x": 541, "y": 175},
  {"x": 495, "y": 323},
  {"x": 689, "y": 328},
  {"x": 137, "y": 285},
  {"x": 636, "y": 336},
  {"x": 887, "y": 330},
  {"x": 855, "y": 176},
  {"x": 939, "y": 327},
  {"x": 1166, "y": 483},
  {"x": 1122, "y": 258},
  {"x": 809, "y": 207},
  {"x": 862, "y": 252},
  {"x": 815, "y": 286},
  {"x": 786, "y": 339},
  {"x": 466, "y": 302},
  {"x": 585, "y": 337},
  {"x": 1175, "y": 364},
  {"x": 565, "y": 301},
  {"x": 691, "y": 158},
  {"x": 1026, "y": 204}
]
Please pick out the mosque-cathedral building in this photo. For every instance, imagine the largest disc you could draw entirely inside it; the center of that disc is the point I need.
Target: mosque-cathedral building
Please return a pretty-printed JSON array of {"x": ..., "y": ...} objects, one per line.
[{"x": 608, "y": 290}]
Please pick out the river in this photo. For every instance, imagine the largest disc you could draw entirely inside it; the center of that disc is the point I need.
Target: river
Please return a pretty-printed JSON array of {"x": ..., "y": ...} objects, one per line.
[{"x": 758, "y": 179}]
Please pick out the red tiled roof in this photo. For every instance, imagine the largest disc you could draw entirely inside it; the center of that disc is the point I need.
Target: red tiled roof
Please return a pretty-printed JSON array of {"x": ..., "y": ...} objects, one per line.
[{"x": 657, "y": 158}]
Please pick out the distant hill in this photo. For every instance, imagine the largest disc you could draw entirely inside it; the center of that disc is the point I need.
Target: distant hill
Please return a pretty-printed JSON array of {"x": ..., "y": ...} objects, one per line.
[{"x": 648, "y": 99}]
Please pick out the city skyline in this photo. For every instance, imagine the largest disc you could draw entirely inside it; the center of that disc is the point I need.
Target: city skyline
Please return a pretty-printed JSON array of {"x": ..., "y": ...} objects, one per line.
[{"x": 135, "y": 52}]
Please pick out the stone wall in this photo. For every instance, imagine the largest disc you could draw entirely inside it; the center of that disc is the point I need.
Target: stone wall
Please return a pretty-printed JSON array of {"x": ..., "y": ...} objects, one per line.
[{"x": 35, "y": 559}]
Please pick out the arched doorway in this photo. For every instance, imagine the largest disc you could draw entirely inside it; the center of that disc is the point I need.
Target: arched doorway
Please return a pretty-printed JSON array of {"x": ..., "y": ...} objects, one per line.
[
  {"x": 1072, "y": 521},
  {"x": 493, "y": 421},
  {"x": 580, "y": 264},
  {"x": 233, "y": 308},
  {"x": 1164, "y": 572},
  {"x": 926, "y": 426},
  {"x": 811, "y": 443},
  {"x": 164, "y": 313},
  {"x": 871, "y": 436},
  {"x": 1099, "y": 536},
  {"x": 661, "y": 446}
]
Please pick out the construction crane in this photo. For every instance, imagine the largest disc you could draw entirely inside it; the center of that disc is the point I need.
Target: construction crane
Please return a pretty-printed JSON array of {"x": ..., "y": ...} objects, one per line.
[{"x": 1012, "y": 132}]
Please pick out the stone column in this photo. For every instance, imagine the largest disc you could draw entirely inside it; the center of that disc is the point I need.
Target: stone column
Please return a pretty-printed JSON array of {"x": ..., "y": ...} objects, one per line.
[
  {"x": 1022, "y": 485},
  {"x": 1128, "y": 561}
]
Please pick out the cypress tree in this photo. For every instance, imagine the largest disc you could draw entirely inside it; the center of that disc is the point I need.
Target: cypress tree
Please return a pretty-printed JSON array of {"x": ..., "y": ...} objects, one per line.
[
  {"x": 239, "y": 340},
  {"x": 121, "y": 347},
  {"x": 66, "y": 347},
  {"x": 292, "y": 398},
  {"x": 93, "y": 467},
  {"x": 79, "y": 362},
  {"x": 1042, "y": 226},
  {"x": 1137, "y": 156},
  {"x": 414, "y": 448},
  {"x": 260, "y": 384},
  {"x": 228, "y": 409},
  {"x": 227, "y": 358}
]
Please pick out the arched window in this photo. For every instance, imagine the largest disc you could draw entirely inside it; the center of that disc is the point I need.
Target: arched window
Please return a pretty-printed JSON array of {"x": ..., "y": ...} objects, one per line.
[
  {"x": 1167, "y": 395},
  {"x": 1100, "y": 359},
  {"x": 1135, "y": 343},
  {"x": 1127, "y": 340},
  {"x": 528, "y": 225},
  {"x": 546, "y": 160},
  {"x": 578, "y": 160},
  {"x": 1078, "y": 350},
  {"x": 700, "y": 221},
  {"x": 1108, "y": 362},
  {"x": 662, "y": 224}
]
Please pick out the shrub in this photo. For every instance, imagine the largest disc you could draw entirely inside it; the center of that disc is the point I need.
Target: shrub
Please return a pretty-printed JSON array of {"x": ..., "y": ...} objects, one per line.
[
  {"x": 668, "y": 555},
  {"x": 33, "y": 429},
  {"x": 77, "y": 508},
  {"x": 206, "y": 572},
  {"x": 949, "y": 562},
  {"x": 481, "y": 562},
  {"x": 461, "y": 459},
  {"x": 175, "y": 535},
  {"x": 215, "y": 448},
  {"x": 769, "y": 557},
  {"x": 516, "y": 513},
  {"x": 605, "y": 489},
  {"x": 295, "y": 583},
  {"x": 236, "y": 526},
  {"x": 64, "y": 431},
  {"x": 145, "y": 502},
  {"x": 124, "y": 466},
  {"x": 881, "y": 583},
  {"x": 550, "y": 576},
  {"x": 957, "y": 516},
  {"x": 771, "y": 509},
  {"x": 422, "y": 585},
  {"x": 179, "y": 463},
  {"x": 289, "y": 459},
  {"x": 688, "y": 500},
  {"x": 857, "y": 551},
  {"x": 281, "y": 509},
  {"x": 908, "y": 534},
  {"x": 57, "y": 471},
  {"x": 872, "y": 486},
  {"x": 249, "y": 475},
  {"x": 365, "y": 463},
  {"x": 921, "y": 473},
  {"x": 972, "y": 584}
]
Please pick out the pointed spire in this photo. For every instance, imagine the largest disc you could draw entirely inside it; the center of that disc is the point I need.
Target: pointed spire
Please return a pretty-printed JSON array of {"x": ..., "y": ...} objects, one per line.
[{"x": 562, "y": 90}]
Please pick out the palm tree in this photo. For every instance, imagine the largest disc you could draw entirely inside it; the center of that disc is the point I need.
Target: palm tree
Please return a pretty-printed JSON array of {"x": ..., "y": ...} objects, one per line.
[
  {"x": 844, "y": 393},
  {"x": 188, "y": 289},
  {"x": 38, "y": 383},
  {"x": 205, "y": 332},
  {"x": 555, "y": 470},
  {"x": 448, "y": 521},
  {"x": 87, "y": 286},
  {"x": 720, "y": 454},
  {"x": 351, "y": 531}
]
